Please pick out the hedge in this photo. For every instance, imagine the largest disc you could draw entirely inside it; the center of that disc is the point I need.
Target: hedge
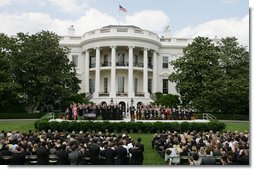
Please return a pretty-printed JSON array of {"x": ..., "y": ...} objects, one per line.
[
  {"x": 21, "y": 115},
  {"x": 144, "y": 127}
]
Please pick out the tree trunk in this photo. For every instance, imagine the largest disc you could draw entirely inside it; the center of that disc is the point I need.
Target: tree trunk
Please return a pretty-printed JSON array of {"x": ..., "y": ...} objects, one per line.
[{"x": 32, "y": 107}]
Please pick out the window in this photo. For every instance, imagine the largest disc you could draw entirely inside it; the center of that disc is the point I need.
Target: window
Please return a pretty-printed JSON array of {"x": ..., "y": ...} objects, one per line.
[
  {"x": 92, "y": 62},
  {"x": 105, "y": 85},
  {"x": 150, "y": 85},
  {"x": 121, "y": 85},
  {"x": 75, "y": 60},
  {"x": 165, "y": 86},
  {"x": 136, "y": 85},
  {"x": 150, "y": 62},
  {"x": 91, "y": 85},
  {"x": 136, "y": 59},
  {"x": 121, "y": 59},
  {"x": 165, "y": 62},
  {"x": 105, "y": 60}
]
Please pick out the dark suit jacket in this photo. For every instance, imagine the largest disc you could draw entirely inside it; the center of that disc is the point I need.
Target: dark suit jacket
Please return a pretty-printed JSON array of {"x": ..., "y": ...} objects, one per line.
[
  {"x": 18, "y": 159},
  {"x": 136, "y": 156},
  {"x": 109, "y": 155},
  {"x": 42, "y": 156},
  {"x": 94, "y": 151},
  {"x": 208, "y": 160},
  {"x": 121, "y": 158},
  {"x": 62, "y": 157}
]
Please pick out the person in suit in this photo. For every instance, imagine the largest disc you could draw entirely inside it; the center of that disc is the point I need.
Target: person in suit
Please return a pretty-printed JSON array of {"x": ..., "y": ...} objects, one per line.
[
  {"x": 94, "y": 151},
  {"x": 141, "y": 147},
  {"x": 136, "y": 155},
  {"x": 74, "y": 155},
  {"x": 208, "y": 159},
  {"x": 132, "y": 111},
  {"x": 121, "y": 155},
  {"x": 62, "y": 155},
  {"x": 109, "y": 153},
  {"x": 19, "y": 157},
  {"x": 42, "y": 155}
]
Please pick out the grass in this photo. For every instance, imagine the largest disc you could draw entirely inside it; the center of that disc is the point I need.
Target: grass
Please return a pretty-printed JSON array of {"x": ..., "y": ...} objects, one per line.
[
  {"x": 237, "y": 126},
  {"x": 24, "y": 125},
  {"x": 151, "y": 157}
]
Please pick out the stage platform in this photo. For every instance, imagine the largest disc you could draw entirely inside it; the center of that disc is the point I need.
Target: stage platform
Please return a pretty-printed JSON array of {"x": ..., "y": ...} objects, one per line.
[{"x": 128, "y": 120}]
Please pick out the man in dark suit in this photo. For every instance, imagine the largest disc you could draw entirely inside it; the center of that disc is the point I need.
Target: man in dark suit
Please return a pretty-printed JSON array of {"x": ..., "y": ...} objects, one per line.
[
  {"x": 141, "y": 147},
  {"x": 42, "y": 155},
  {"x": 62, "y": 155},
  {"x": 136, "y": 155},
  {"x": 121, "y": 153},
  {"x": 19, "y": 157},
  {"x": 208, "y": 159},
  {"x": 94, "y": 151},
  {"x": 109, "y": 155},
  {"x": 132, "y": 111}
]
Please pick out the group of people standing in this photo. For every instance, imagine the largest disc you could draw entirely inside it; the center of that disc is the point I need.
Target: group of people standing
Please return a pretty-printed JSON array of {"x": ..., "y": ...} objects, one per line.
[
  {"x": 118, "y": 112},
  {"x": 92, "y": 111}
]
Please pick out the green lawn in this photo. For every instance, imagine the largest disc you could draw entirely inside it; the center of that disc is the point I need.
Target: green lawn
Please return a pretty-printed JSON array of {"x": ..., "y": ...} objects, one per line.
[
  {"x": 151, "y": 157},
  {"x": 237, "y": 126}
]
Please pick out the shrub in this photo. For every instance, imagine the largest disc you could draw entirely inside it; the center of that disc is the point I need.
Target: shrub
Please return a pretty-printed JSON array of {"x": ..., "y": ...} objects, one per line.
[{"x": 129, "y": 126}]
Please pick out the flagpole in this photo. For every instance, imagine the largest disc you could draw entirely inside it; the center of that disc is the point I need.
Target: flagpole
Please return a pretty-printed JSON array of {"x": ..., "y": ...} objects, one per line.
[{"x": 119, "y": 13}]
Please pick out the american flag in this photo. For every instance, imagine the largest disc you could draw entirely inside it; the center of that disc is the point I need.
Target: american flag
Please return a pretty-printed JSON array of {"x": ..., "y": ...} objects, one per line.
[{"x": 122, "y": 9}]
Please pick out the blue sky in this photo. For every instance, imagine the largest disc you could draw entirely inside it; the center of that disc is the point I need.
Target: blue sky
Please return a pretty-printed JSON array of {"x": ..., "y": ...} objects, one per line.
[{"x": 187, "y": 18}]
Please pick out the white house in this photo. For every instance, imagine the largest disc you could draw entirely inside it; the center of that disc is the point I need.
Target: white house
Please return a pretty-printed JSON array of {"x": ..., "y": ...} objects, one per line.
[{"x": 124, "y": 63}]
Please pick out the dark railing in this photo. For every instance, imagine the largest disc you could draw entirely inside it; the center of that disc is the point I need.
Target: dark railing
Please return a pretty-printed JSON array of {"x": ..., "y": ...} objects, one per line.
[
  {"x": 122, "y": 64},
  {"x": 103, "y": 94},
  {"x": 136, "y": 64},
  {"x": 92, "y": 65},
  {"x": 121, "y": 94},
  {"x": 105, "y": 64},
  {"x": 150, "y": 66},
  {"x": 140, "y": 94}
]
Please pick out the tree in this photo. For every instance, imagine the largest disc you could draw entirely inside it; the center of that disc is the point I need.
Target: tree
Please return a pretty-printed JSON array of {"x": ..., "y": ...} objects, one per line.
[
  {"x": 169, "y": 100},
  {"x": 8, "y": 87},
  {"x": 42, "y": 69},
  {"x": 213, "y": 77}
]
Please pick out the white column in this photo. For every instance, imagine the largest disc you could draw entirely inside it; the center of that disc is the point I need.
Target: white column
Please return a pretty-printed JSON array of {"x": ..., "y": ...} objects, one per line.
[
  {"x": 87, "y": 72},
  {"x": 97, "y": 73},
  {"x": 145, "y": 73},
  {"x": 154, "y": 84},
  {"x": 113, "y": 72},
  {"x": 130, "y": 73}
]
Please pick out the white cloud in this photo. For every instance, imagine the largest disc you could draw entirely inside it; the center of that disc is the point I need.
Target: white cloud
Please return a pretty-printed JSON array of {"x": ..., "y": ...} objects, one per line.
[
  {"x": 70, "y": 6},
  {"x": 154, "y": 20},
  {"x": 238, "y": 27},
  {"x": 5, "y": 2},
  {"x": 35, "y": 22}
]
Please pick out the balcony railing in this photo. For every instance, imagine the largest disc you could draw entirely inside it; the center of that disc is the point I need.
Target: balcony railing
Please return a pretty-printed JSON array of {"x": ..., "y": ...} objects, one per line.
[
  {"x": 121, "y": 94},
  {"x": 122, "y": 64},
  {"x": 140, "y": 94},
  {"x": 136, "y": 64},
  {"x": 105, "y": 64},
  {"x": 103, "y": 94},
  {"x": 92, "y": 65}
]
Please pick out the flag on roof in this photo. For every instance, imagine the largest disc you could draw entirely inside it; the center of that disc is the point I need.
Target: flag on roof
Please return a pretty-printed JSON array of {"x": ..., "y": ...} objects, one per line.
[{"x": 122, "y": 9}]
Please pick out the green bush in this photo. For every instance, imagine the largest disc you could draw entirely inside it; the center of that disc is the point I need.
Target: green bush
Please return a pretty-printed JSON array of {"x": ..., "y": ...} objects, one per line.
[
  {"x": 145, "y": 127},
  {"x": 21, "y": 115}
]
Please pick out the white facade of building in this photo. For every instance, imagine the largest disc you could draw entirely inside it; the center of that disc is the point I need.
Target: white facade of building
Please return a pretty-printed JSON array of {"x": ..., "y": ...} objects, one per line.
[{"x": 122, "y": 63}]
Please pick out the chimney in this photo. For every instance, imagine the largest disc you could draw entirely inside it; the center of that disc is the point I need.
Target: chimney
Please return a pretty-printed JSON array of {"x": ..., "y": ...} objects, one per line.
[{"x": 71, "y": 30}]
